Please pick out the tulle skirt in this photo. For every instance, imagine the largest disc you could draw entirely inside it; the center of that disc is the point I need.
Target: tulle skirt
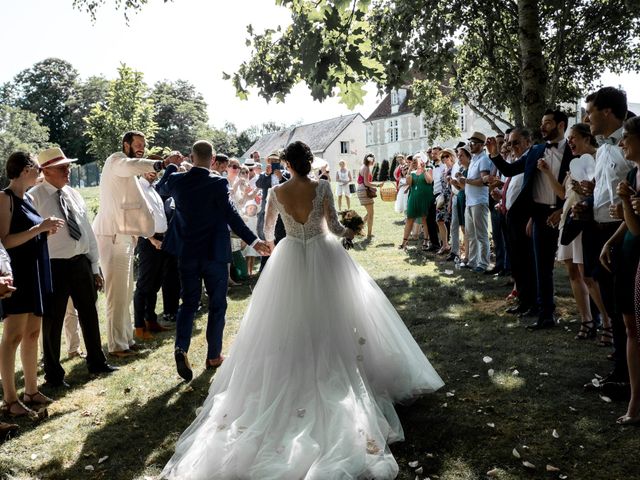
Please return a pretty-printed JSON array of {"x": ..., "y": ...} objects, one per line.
[{"x": 307, "y": 390}]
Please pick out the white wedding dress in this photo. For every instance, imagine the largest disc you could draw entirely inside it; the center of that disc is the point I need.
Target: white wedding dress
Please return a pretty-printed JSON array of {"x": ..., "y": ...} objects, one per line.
[{"x": 321, "y": 355}]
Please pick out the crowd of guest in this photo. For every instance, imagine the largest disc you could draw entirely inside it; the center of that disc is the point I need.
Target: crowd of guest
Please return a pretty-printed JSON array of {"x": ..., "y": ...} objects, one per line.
[{"x": 570, "y": 198}]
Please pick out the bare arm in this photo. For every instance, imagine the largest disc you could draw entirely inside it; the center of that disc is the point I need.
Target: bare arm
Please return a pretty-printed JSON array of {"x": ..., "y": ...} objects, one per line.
[{"x": 11, "y": 240}]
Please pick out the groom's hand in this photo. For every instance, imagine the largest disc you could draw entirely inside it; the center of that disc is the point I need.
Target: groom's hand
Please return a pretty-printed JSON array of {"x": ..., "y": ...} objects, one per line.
[{"x": 263, "y": 248}]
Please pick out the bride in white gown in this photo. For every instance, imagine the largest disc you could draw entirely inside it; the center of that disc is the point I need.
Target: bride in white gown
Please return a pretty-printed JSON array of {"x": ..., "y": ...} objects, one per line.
[{"x": 321, "y": 355}]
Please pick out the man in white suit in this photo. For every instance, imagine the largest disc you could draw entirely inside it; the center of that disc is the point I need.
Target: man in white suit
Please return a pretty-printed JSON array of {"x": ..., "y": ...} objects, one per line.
[{"x": 123, "y": 215}]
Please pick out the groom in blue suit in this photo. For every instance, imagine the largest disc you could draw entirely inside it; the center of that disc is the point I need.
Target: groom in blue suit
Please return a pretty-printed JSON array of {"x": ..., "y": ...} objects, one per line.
[{"x": 199, "y": 237}]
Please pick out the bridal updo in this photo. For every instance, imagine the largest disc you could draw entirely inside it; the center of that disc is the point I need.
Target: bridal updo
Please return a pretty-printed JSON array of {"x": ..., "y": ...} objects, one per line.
[{"x": 299, "y": 157}]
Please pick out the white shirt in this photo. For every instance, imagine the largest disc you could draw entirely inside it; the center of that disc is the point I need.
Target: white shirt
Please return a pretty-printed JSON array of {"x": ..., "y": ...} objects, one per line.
[
  {"x": 542, "y": 190},
  {"x": 155, "y": 202},
  {"x": 438, "y": 173},
  {"x": 61, "y": 245},
  {"x": 611, "y": 169},
  {"x": 515, "y": 187},
  {"x": 455, "y": 169}
]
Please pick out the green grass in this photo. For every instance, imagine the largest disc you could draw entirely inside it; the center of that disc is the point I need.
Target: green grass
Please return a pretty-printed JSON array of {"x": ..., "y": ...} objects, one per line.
[{"x": 135, "y": 416}]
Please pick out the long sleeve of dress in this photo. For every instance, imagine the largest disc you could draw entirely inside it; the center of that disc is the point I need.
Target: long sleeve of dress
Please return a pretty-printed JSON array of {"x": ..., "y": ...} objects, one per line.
[
  {"x": 330, "y": 213},
  {"x": 271, "y": 217}
]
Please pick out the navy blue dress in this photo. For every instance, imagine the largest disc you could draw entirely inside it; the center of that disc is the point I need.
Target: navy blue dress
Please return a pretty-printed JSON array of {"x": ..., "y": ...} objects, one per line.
[{"x": 29, "y": 262}]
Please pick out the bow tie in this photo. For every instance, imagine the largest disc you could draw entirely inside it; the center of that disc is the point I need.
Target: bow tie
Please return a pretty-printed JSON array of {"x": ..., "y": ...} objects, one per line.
[{"x": 552, "y": 145}]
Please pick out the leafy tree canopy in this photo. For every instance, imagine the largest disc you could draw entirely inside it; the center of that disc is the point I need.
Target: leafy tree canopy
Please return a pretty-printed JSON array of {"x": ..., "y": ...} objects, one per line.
[
  {"x": 19, "y": 130},
  {"x": 507, "y": 59},
  {"x": 128, "y": 106}
]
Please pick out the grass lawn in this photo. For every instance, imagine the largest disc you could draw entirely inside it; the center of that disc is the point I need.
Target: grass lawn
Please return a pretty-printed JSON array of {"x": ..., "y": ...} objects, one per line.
[{"x": 125, "y": 426}]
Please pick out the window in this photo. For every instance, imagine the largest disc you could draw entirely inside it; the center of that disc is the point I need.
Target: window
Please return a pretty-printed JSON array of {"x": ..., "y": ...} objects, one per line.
[
  {"x": 394, "y": 97},
  {"x": 423, "y": 125},
  {"x": 393, "y": 131},
  {"x": 344, "y": 147},
  {"x": 369, "y": 134},
  {"x": 462, "y": 119}
]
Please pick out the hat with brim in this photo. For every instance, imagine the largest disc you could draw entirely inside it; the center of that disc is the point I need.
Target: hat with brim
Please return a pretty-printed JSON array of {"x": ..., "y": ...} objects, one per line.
[
  {"x": 319, "y": 163},
  {"x": 53, "y": 157},
  {"x": 249, "y": 163},
  {"x": 478, "y": 137}
]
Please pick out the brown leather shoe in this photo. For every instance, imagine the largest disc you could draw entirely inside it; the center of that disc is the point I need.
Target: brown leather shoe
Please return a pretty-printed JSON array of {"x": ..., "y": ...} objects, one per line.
[
  {"x": 7, "y": 430},
  {"x": 142, "y": 334},
  {"x": 123, "y": 353},
  {"x": 156, "y": 327}
]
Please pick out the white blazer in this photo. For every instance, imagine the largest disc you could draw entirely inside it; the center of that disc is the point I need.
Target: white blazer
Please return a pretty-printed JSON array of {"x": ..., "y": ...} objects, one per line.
[{"x": 123, "y": 208}]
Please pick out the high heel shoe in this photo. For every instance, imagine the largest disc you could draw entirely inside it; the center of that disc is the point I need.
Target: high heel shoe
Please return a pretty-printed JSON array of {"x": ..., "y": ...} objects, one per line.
[
  {"x": 403, "y": 245},
  {"x": 37, "y": 399}
]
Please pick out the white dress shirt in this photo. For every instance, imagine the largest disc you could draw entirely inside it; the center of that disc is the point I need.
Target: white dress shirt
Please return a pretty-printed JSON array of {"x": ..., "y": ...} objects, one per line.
[
  {"x": 455, "y": 169},
  {"x": 61, "y": 245},
  {"x": 542, "y": 190},
  {"x": 155, "y": 202},
  {"x": 611, "y": 169},
  {"x": 5, "y": 261}
]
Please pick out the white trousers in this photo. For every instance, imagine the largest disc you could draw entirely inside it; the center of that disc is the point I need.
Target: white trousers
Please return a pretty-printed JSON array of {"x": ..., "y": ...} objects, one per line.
[
  {"x": 116, "y": 259},
  {"x": 476, "y": 226},
  {"x": 71, "y": 329}
]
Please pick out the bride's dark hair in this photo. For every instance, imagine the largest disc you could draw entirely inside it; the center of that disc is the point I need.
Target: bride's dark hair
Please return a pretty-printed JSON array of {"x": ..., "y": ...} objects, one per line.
[{"x": 299, "y": 157}]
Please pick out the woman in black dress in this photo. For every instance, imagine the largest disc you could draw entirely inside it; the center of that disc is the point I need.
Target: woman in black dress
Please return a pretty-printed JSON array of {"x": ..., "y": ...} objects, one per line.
[{"x": 24, "y": 234}]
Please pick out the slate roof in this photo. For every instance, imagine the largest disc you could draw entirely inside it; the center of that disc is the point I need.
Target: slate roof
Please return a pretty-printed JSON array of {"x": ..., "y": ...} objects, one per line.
[
  {"x": 318, "y": 136},
  {"x": 384, "y": 109}
]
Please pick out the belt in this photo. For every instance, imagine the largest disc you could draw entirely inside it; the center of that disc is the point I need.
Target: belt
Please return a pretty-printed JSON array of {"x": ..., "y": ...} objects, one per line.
[{"x": 75, "y": 258}]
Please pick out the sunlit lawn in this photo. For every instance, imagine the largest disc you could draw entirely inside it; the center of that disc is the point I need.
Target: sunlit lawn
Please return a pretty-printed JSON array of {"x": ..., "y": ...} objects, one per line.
[{"x": 125, "y": 426}]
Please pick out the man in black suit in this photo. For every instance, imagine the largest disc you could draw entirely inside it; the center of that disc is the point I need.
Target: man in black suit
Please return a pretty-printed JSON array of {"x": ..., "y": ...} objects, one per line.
[
  {"x": 199, "y": 237},
  {"x": 541, "y": 202}
]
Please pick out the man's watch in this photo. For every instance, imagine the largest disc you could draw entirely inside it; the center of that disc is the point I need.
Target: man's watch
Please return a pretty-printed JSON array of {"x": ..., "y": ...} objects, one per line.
[{"x": 158, "y": 165}]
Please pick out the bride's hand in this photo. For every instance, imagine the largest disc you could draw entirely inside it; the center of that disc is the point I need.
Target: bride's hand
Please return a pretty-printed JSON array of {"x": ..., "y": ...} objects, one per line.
[{"x": 349, "y": 234}]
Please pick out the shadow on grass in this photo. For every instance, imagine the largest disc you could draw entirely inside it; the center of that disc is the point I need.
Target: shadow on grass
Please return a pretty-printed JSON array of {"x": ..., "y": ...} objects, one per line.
[{"x": 139, "y": 434}]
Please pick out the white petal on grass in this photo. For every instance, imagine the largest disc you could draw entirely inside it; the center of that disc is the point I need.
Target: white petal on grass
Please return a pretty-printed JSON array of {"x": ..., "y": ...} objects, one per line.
[
  {"x": 551, "y": 468},
  {"x": 89, "y": 467},
  {"x": 450, "y": 394},
  {"x": 562, "y": 477},
  {"x": 529, "y": 465},
  {"x": 419, "y": 470},
  {"x": 555, "y": 434},
  {"x": 604, "y": 398},
  {"x": 491, "y": 372},
  {"x": 544, "y": 374},
  {"x": 46, "y": 436},
  {"x": 515, "y": 373},
  {"x": 34, "y": 456},
  {"x": 487, "y": 359},
  {"x": 414, "y": 464},
  {"x": 515, "y": 453},
  {"x": 492, "y": 425},
  {"x": 102, "y": 459}
]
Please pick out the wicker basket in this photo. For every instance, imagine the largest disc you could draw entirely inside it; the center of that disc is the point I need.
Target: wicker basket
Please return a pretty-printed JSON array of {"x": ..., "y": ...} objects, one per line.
[{"x": 388, "y": 192}]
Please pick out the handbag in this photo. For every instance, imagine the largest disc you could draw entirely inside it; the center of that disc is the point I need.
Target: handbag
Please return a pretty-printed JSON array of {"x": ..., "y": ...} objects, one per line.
[
  {"x": 352, "y": 188},
  {"x": 571, "y": 229},
  {"x": 371, "y": 192}
]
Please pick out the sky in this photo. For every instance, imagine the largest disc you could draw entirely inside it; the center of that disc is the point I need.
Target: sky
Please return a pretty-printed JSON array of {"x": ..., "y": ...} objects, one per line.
[{"x": 194, "y": 40}]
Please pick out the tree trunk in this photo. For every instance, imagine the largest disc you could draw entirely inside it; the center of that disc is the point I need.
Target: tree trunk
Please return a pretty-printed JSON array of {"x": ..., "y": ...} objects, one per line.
[{"x": 534, "y": 75}]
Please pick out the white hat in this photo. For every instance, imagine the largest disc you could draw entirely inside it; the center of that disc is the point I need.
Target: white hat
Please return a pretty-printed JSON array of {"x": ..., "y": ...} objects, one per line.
[
  {"x": 250, "y": 203},
  {"x": 53, "y": 157},
  {"x": 249, "y": 163}
]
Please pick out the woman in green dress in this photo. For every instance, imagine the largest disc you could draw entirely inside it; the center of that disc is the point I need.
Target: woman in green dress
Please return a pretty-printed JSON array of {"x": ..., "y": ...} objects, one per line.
[{"x": 420, "y": 184}]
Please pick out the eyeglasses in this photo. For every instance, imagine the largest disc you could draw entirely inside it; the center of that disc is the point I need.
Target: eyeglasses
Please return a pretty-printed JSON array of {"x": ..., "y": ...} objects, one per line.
[
  {"x": 235, "y": 167},
  {"x": 445, "y": 156},
  {"x": 475, "y": 142},
  {"x": 513, "y": 143}
]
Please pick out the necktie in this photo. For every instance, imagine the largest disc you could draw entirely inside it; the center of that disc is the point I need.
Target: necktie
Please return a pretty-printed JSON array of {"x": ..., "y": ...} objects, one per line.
[
  {"x": 70, "y": 218},
  {"x": 552, "y": 145},
  {"x": 503, "y": 202}
]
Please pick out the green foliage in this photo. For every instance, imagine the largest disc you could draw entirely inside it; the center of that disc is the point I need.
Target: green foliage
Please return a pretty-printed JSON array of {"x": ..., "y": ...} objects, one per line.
[
  {"x": 180, "y": 113},
  {"x": 248, "y": 137},
  {"x": 45, "y": 89},
  {"x": 19, "y": 130},
  {"x": 127, "y": 107}
]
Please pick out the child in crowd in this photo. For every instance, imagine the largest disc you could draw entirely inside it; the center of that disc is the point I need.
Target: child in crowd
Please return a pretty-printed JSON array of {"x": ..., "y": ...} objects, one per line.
[{"x": 251, "y": 219}]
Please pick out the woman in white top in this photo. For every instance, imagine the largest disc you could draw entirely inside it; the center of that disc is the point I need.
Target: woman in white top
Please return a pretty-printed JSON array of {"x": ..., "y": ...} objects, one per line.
[{"x": 343, "y": 179}]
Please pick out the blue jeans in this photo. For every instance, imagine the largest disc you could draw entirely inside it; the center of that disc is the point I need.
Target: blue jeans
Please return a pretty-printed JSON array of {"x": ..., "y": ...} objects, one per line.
[{"x": 215, "y": 276}]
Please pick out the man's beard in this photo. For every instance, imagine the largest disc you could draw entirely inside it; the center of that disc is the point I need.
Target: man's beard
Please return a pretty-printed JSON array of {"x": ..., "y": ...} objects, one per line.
[{"x": 551, "y": 135}]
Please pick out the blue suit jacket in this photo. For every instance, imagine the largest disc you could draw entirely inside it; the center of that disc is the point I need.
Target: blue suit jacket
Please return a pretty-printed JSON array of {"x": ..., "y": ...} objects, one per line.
[
  {"x": 528, "y": 164},
  {"x": 204, "y": 212}
]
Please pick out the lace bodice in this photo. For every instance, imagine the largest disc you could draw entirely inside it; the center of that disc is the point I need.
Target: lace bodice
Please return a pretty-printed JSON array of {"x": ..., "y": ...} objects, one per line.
[{"x": 323, "y": 216}]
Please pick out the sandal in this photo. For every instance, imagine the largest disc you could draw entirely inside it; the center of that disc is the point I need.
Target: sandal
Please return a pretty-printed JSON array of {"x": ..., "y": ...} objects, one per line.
[
  {"x": 443, "y": 250},
  {"x": 37, "y": 399},
  {"x": 425, "y": 246},
  {"x": 606, "y": 337},
  {"x": 586, "y": 331},
  {"x": 24, "y": 410},
  {"x": 403, "y": 245}
]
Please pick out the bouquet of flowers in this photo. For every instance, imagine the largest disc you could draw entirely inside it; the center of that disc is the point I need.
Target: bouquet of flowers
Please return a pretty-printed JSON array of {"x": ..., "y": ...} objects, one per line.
[{"x": 351, "y": 220}]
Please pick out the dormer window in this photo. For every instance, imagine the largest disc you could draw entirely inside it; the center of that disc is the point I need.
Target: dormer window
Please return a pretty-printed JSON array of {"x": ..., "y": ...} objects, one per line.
[{"x": 394, "y": 97}]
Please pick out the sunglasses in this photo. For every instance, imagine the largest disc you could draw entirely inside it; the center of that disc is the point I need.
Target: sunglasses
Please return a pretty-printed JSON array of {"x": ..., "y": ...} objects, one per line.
[
  {"x": 474, "y": 142},
  {"x": 235, "y": 167}
]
